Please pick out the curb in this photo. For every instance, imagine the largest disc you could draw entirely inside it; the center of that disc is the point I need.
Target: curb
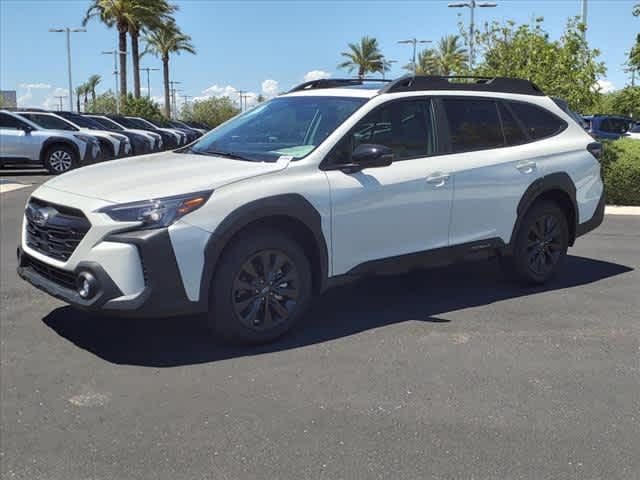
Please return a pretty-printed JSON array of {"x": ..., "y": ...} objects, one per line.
[{"x": 620, "y": 210}]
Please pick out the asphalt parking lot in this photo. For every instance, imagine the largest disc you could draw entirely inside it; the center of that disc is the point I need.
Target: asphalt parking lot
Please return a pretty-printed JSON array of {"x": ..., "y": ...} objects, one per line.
[{"x": 448, "y": 374}]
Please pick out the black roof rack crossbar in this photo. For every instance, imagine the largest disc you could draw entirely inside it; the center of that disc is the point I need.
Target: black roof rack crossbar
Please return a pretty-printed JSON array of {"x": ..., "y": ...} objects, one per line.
[
  {"x": 410, "y": 83},
  {"x": 335, "y": 83}
]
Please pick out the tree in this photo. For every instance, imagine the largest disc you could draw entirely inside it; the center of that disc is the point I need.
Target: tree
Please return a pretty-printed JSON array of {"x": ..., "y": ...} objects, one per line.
[
  {"x": 80, "y": 89},
  {"x": 565, "y": 68},
  {"x": 211, "y": 112},
  {"x": 162, "y": 42},
  {"x": 91, "y": 85},
  {"x": 625, "y": 102},
  {"x": 141, "y": 107},
  {"x": 447, "y": 58},
  {"x": 150, "y": 14},
  {"x": 126, "y": 15},
  {"x": 104, "y": 103},
  {"x": 364, "y": 57}
]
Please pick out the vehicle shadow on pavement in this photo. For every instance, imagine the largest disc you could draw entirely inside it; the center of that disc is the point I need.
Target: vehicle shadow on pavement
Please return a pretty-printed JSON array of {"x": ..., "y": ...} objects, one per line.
[{"x": 367, "y": 304}]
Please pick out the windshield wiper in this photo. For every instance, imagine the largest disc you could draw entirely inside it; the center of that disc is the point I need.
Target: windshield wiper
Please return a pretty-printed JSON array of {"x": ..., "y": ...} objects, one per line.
[{"x": 232, "y": 155}]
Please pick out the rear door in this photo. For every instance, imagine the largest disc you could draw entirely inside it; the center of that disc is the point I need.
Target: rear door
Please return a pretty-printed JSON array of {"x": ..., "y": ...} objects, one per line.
[{"x": 491, "y": 167}]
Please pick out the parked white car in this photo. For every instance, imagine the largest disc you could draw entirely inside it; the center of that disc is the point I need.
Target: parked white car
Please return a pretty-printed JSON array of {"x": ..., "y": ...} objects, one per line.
[
  {"x": 24, "y": 142},
  {"x": 155, "y": 138},
  {"x": 113, "y": 145},
  {"x": 329, "y": 182}
]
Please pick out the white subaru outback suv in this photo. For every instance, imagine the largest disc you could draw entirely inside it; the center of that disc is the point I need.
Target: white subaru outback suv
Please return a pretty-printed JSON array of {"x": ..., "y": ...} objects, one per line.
[{"x": 329, "y": 182}]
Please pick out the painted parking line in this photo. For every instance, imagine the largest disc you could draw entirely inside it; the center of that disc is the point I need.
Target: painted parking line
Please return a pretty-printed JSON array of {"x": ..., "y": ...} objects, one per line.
[
  {"x": 10, "y": 185},
  {"x": 620, "y": 210}
]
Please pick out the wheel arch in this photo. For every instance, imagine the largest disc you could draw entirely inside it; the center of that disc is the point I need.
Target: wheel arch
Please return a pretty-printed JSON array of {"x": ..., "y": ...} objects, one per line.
[
  {"x": 555, "y": 187},
  {"x": 53, "y": 141},
  {"x": 291, "y": 213}
]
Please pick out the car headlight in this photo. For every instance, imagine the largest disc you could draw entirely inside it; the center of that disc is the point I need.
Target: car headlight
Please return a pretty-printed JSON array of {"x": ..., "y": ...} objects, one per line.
[
  {"x": 83, "y": 138},
  {"x": 157, "y": 213}
]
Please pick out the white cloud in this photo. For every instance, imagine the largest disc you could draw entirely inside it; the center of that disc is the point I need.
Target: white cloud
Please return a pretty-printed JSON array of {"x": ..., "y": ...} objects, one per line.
[
  {"x": 220, "y": 91},
  {"x": 604, "y": 86},
  {"x": 35, "y": 85},
  {"x": 316, "y": 75},
  {"x": 270, "y": 88}
]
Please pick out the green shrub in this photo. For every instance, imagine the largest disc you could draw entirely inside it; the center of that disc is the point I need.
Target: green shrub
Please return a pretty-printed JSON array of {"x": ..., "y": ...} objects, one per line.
[{"x": 621, "y": 172}]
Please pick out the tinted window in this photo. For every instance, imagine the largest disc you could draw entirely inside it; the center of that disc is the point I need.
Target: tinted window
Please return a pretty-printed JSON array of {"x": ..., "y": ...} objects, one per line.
[
  {"x": 406, "y": 127},
  {"x": 513, "y": 134},
  {"x": 49, "y": 121},
  {"x": 106, "y": 123},
  {"x": 11, "y": 123},
  {"x": 473, "y": 124},
  {"x": 538, "y": 122}
]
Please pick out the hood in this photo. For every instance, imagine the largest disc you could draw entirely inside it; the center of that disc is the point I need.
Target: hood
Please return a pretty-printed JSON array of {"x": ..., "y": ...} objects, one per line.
[{"x": 158, "y": 175}]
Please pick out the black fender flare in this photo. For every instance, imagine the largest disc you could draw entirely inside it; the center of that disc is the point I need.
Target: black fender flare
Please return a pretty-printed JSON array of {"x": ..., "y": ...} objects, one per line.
[
  {"x": 559, "y": 181},
  {"x": 293, "y": 206},
  {"x": 54, "y": 140}
]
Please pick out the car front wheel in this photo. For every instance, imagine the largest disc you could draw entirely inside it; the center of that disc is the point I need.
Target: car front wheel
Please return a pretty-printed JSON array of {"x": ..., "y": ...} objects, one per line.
[
  {"x": 262, "y": 286},
  {"x": 60, "y": 159}
]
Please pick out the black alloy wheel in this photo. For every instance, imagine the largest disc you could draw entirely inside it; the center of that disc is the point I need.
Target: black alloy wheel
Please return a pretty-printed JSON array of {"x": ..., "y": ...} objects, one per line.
[
  {"x": 265, "y": 290},
  {"x": 544, "y": 244},
  {"x": 261, "y": 286}
]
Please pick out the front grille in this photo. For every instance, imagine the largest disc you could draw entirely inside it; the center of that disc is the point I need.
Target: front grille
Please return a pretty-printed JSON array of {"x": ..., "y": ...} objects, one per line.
[
  {"x": 54, "y": 230},
  {"x": 63, "y": 278}
]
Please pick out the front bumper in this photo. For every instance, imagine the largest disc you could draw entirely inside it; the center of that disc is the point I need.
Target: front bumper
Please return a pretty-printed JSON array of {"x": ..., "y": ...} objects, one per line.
[{"x": 163, "y": 293}]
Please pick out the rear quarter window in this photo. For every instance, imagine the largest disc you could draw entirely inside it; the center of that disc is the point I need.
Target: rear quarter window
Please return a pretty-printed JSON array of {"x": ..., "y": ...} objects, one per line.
[{"x": 538, "y": 122}]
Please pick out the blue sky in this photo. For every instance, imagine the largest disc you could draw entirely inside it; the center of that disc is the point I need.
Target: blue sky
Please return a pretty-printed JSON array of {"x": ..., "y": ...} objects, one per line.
[{"x": 268, "y": 46}]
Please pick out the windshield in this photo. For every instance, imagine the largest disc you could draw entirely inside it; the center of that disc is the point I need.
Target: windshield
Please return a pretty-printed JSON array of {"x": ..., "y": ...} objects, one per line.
[
  {"x": 106, "y": 123},
  {"x": 49, "y": 122},
  {"x": 143, "y": 122},
  {"x": 284, "y": 126},
  {"x": 84, "y": 122},
  {"x": 133, "y": 123}
]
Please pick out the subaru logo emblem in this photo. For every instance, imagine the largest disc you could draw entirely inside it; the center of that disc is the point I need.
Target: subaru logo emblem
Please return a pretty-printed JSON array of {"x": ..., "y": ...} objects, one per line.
[{"x": 40, "y": 216}]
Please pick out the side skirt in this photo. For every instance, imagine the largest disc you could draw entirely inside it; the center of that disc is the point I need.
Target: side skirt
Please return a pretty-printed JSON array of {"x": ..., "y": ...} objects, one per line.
[{"x": 439, "y": 257}]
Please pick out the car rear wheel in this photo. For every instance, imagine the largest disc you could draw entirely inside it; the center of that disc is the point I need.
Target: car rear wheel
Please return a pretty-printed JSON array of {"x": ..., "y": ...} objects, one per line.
[
  {"x": 260, "y": 289},
  {"x": 541, "y": 244},
  {"x": 60, "y": 159}
]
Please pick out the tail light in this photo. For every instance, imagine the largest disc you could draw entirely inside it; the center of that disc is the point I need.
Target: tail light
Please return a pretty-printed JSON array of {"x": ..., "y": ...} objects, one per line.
[{"x": 595, "y": 149}]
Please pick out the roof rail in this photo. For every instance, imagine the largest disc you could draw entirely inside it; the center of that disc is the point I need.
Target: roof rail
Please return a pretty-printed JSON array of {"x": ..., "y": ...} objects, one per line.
[
  {"x": 334, "y": 83},
  {"x": 410, "y": 83}
]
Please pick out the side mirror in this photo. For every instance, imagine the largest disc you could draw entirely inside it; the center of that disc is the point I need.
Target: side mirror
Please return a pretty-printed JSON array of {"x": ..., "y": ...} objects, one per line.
[
  {"x": 369, "y": 155},
  {"x": 27, "y": 128}
]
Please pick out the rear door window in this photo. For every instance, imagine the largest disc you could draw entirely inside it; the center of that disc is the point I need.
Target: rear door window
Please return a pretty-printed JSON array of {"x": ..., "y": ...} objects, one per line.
[
  {"x": 513, "y": 134},
  {"x": 538, "y": 122},
  {"x": 473, "y": 124}
]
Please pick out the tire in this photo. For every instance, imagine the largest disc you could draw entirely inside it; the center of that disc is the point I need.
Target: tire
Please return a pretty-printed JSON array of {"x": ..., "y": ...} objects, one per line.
[
  {"x": 60, "y": 159},
  {"x": 541, "y": 244},
  {"x": 250, "y": 307}
]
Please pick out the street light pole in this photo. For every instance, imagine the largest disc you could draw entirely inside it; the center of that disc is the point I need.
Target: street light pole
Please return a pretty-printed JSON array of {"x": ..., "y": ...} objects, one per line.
[
  {"x": 584, "y": 19},
  {"x": 414, "y": 42},
  {"x": 147, "y": 69},
  {"x": 68, "y": 31},
  {"x": 115, "y": 53},
  {"x": 172, "y": 99},
  {"x": 472, "y": 4}
]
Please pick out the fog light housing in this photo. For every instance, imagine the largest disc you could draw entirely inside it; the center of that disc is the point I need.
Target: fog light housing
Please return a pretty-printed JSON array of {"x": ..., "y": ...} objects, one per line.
[{"x": 86, "y": 285}]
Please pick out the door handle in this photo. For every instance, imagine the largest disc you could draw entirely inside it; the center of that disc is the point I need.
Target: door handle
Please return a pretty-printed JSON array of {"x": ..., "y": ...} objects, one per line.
[
  {"x": 527, "y": 167},
  {"x": 438, "y": 179}
]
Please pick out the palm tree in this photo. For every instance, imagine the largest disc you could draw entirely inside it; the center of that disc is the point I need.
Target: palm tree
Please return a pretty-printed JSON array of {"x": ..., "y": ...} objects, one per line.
[
  {"x": 91, "y": 85},
  {"x": 149, "y": 15},
  {"x": 364, "y": 57},
  {"x": 123, "y": 14},
  {"x": 79, "y": 92},
  {"x": 447, "y": 58},
  {"x": 162, "y": 42}
]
